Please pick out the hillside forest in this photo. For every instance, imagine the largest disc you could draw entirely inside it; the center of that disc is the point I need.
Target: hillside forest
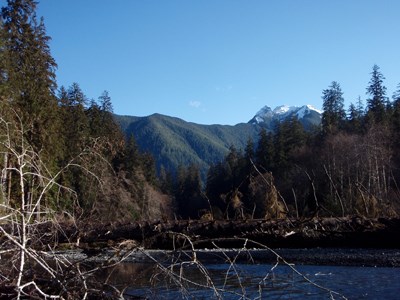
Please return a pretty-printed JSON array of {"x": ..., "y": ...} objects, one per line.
[{"x": 63, "y": 154}]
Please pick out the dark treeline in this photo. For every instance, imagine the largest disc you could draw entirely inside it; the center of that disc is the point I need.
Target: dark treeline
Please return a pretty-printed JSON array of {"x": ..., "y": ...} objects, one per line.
[
  {"x": 60, "y": 134},
  {"x": 348, "y": 166}
]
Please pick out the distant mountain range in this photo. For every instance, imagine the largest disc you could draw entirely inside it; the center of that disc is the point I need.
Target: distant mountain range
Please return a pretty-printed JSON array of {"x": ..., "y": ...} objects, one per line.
[{"x": 174, "y": 142}]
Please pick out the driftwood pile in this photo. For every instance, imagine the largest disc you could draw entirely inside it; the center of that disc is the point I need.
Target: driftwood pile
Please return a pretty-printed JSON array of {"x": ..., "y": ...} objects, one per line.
[{"x": 317, "y": 232}]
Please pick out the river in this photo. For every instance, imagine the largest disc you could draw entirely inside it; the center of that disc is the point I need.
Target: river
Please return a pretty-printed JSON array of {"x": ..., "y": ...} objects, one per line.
[{"x": 204, "y": 277}]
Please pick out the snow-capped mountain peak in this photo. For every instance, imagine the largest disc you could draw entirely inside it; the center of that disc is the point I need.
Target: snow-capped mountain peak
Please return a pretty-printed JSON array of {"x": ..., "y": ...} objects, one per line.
[
  {"x": 282, "y": 109},
  {"x": 306, "y": 114}
]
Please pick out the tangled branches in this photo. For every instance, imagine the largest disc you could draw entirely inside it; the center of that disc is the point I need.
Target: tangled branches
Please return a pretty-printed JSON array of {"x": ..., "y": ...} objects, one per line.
[{"x": 28, "y": 264}]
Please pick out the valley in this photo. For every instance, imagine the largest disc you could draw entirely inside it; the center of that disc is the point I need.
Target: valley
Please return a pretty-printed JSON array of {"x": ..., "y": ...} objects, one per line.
[{"x": 174, "y": 142}]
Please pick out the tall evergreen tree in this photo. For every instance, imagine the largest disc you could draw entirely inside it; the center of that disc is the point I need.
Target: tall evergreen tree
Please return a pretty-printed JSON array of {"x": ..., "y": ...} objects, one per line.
[
  {"x": 188, "y": 192},
  {"x": 265, "y": 150},
  {"x": 233, "y": 166},
  {"x": 95, "y": 119},
  {"x": 289, "y": 136},
  {"x": 76, "y": 97},
  {"x": 378, "y": 102},
  {"x": 248, "y": 156},
  {"x": 111, "y": 131},
  {"x": 109, "y": 126},
  {"x": 105, "y": 102},
  {"x": 62, "y": 97},
  {"x": 360, "y": 107},
  {"x": 249, "y": 150},
  {"x": 333, "y": 107},
  {"x": 75, "y": 124},
  {"x": 148, "y": 165},
  {"x": 132, "y": 156},
  {"x": 216, "y": 183},
  {"x": 356, "y": 116},
  {"x": 30, "y": 72}
]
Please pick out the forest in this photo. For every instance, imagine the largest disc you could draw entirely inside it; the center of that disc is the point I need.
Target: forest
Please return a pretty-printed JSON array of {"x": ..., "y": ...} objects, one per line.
[
  {"x": 349, "y": 166},
  {"x": 69, "y": 173},
  {"x": 59, "y": 146},
  {"x": 67, "y": 151}
]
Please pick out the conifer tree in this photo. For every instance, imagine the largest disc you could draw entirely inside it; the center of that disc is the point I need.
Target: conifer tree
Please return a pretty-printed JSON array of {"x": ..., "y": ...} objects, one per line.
[
  {"x": 232, "y": 166},
  {"x": 188, "y": 192},
  {"x": 95, "y": 119},
  {"x": 30, "y": 72},
  {"x": 378, "y": 102},
  {"x": 102, "y": 125},
  {"x": 248, "y": 156},
  {"x": 148, "y": 165},
  {"x": 62, "y": 97},
  {"x": 76, "y": 97},
  {"x": 289, "y": 135},
  {"x": 74, "y": 120},
  {"x": 27, "y": 80},
  {"x": 105, "y": 102},
  {"x": 109, "y": 128},
  {"x": 265, "y": 150},
  {"x": 132, "y": 156},
  {"x": 356, "y": 115},
  {"x": 249, "y": 150},
  {"x": 333, "y": 106}
]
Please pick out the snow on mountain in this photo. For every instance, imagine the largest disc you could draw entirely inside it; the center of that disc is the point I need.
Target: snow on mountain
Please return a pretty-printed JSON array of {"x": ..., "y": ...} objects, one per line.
[
  {"x": 265, "y": 110},
  {"x": 307, "y": 114},
  {"x": 305, "y": 110},
  {"x": 283, "y": 109}
]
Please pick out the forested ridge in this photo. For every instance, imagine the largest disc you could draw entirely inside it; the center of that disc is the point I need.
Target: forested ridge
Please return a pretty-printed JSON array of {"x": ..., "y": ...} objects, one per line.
[
  {"x": 63, "y": 153},
  {"x": 175, "y": 143},
  {"x": 60, "y": 146}
]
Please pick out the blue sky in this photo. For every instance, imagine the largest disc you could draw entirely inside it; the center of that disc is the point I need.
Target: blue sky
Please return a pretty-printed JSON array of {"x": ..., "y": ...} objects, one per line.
[{"x": 220, "y": 61}]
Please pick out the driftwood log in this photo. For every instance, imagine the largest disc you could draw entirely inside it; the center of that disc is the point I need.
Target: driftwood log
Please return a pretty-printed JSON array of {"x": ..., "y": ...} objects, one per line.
[{"x": 286, "y": 233}]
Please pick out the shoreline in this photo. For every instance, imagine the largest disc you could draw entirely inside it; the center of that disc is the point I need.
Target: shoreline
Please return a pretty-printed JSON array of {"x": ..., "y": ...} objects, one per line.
[{"x": 355, "y": 257}]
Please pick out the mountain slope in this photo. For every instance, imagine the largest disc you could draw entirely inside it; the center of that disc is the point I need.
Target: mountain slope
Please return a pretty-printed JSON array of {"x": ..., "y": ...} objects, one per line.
[{"x": 173, "y": 141}]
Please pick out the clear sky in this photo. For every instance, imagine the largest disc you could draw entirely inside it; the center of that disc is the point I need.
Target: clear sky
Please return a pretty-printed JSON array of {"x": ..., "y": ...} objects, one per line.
[{"x": 220, "y": 61}]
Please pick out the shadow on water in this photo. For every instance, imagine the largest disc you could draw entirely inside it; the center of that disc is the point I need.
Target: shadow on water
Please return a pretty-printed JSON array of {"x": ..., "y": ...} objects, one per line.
[{"x": 252, "y": 281}]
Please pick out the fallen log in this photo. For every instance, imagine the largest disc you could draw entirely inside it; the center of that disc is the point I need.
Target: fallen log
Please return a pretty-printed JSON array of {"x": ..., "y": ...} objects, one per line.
[
  {"x": 324, "y": 232},
  {"x": 286, "y": 233}
]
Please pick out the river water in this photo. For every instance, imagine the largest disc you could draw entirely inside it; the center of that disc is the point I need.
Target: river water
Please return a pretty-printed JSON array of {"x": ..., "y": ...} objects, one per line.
[{"x": 236, "y": 278}]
